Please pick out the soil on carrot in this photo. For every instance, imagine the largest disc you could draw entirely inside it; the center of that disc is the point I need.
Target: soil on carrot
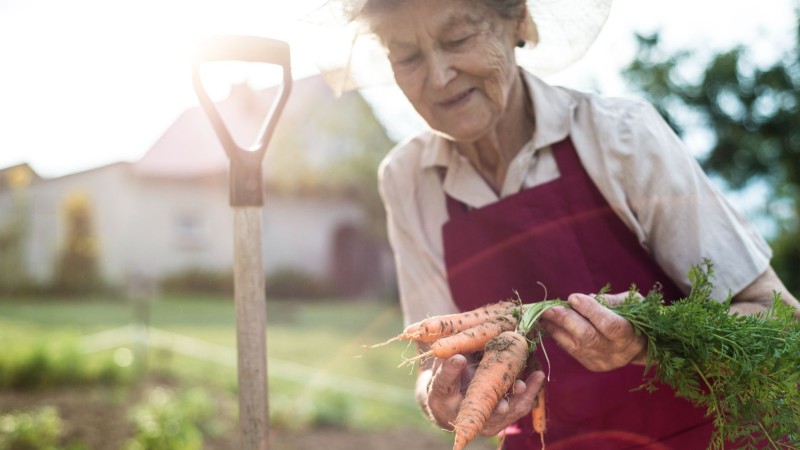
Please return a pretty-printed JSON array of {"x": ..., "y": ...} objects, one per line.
[{"x": 99, "y": 419}]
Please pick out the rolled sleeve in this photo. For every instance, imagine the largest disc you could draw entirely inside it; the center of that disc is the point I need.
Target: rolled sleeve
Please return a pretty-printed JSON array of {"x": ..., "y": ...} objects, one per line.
[
  {"x": 421, "y": 274},
  {"x": 683, "y": 217}
]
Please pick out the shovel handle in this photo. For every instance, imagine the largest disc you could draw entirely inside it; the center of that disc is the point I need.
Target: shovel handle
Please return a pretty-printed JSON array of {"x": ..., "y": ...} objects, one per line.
[
  {"x": 246, "y": 174},
  {"x": 242, "y": 48}
]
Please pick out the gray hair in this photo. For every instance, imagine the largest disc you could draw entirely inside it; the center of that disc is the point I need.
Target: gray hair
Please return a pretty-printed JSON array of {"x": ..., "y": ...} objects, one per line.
[{"x": 507, "y": 9}]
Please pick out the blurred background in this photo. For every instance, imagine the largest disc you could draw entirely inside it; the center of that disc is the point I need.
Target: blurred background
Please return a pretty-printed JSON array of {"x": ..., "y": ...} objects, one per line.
[{"x": 117, "y": 321}]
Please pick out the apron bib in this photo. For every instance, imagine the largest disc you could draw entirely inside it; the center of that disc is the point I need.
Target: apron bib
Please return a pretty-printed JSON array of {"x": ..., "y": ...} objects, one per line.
[{"x": 565, "y": 235}]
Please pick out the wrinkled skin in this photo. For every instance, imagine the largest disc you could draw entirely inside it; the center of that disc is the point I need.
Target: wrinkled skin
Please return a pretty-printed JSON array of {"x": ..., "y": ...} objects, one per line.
[
  {"x": 601, "y": 340},
  {"x": 441, "y": 389},
  {"x": 454, "y": 61},
  {"x": 598, "y": 338}
]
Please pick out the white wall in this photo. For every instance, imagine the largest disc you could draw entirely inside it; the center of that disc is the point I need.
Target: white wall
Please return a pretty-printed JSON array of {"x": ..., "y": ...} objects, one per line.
[
  {"x": 109, "y": 195},
  {"x": 298, "y": 232},
  {"x": 155, "y": 226}
]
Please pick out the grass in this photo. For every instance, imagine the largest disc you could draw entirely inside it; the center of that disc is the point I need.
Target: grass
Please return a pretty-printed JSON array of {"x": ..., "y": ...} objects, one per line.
[{"x": 319, "y": 371}]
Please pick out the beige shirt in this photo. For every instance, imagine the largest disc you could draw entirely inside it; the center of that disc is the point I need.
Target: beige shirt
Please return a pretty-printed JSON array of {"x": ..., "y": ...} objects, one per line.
[{"x": 639, "y": 165}]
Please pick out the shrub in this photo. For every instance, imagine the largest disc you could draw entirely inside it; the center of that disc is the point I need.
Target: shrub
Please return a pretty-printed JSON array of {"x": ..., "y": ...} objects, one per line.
[
  {"x": 169, "y": 421},
  {"x": 78, "y": 266},
  {"x": 44, "y": 366},
  {"x": 38, "y": 430},
  {"x": 289, "y": 282},
  {"x": 320, "y": 409},
  {"x": 198, "y": 281}
]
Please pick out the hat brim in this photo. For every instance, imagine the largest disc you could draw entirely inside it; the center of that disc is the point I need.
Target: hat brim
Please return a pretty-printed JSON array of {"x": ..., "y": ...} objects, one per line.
[{"x": 559, "y": 34}]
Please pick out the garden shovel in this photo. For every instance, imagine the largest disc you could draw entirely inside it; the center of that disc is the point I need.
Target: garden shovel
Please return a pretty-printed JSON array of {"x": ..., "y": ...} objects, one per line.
[{"x": 247, "y": 200}]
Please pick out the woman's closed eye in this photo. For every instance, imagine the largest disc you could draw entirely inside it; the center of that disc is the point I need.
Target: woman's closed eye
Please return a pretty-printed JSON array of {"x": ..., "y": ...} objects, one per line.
[
  {"x": 455, "y": 44},
  {"x": 404, "y": 60}
]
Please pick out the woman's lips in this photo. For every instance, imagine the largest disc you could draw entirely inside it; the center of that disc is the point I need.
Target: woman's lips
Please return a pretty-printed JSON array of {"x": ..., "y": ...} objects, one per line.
[{"x": 457, "y": 100}]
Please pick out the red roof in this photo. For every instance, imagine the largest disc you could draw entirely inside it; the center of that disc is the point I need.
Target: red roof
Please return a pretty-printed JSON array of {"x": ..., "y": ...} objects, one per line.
[{"x": 190, "y": 148}]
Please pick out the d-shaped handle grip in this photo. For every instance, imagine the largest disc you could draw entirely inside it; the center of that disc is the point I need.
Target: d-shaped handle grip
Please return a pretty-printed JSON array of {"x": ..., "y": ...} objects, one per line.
[{"x": 246, "y": 174}]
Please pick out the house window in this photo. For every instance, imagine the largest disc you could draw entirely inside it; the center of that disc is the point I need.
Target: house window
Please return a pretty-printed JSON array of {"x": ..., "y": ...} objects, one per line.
[{"x": 191, "y": 232}]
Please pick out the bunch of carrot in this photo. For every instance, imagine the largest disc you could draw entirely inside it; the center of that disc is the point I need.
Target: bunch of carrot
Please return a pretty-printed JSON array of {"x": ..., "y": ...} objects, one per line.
[
  {"x": 748, "y": 364},
  {"x": 499, "y": 330}
]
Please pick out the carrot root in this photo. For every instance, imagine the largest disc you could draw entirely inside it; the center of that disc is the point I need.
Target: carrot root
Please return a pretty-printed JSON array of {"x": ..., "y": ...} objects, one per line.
[
  {"x": 504, "y": 359},
  {"x": 539, "y": 415},
  {"x": 421, "y": 357},
  {"x": 447, "y": 325},
  {"x": 432, "y": 329}
]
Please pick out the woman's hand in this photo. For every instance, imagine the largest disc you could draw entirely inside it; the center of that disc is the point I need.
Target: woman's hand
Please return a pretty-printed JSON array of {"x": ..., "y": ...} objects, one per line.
[
  {"x": 597, "y": 337},
  {"x": 441, "y": 390}
]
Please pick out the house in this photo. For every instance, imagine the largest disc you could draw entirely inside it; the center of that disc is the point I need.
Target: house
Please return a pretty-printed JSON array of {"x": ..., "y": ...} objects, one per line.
[{"x": 169, "y": 212}]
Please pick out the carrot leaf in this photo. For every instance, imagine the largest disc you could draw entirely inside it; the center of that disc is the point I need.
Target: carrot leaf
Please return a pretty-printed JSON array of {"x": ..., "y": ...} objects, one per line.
[{"x": 745, "y": 370}]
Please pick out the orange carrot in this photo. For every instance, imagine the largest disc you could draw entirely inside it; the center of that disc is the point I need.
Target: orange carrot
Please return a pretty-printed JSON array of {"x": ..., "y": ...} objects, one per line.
[
  {"x": 504, "y": 359},
  {"x": 434, "y": 328},
  {"x": 539, "y": 415},
  {"x": 473, "y": 339},
  {"x": 468, "y": 341},
  {"x": 538, "y": 412}
]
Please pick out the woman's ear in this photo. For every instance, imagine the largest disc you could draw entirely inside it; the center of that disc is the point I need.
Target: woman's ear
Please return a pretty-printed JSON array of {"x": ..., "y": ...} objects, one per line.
[{"x": 526, "y": 27}]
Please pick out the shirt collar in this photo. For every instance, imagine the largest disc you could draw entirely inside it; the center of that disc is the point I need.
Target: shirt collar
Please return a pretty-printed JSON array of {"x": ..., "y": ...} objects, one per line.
[{"x": 552, "y": 108}]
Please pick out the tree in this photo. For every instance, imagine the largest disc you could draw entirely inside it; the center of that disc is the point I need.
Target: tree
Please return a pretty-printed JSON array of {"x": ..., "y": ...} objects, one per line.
[
  {"x": 753, "y": 114},
  {"x": 78, "y": 267},
  {"x": 14, "y": 227},
  {"x": 355, "y": 142}
]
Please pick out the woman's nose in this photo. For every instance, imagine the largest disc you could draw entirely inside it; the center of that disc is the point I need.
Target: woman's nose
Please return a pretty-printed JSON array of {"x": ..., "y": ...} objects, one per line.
[{"x": 440, "y": 70}]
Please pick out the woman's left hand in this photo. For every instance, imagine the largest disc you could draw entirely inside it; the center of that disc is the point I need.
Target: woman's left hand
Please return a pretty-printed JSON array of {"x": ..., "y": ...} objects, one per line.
[{"x": 597, "y": 337}]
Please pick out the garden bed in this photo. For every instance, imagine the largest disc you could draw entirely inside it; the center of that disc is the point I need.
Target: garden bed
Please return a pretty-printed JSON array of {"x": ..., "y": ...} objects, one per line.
[{"x": 95, "y": 418}]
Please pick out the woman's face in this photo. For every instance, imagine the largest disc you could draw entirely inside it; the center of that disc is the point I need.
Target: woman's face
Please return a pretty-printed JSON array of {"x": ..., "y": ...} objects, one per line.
[{"x": 454, "y": 61}]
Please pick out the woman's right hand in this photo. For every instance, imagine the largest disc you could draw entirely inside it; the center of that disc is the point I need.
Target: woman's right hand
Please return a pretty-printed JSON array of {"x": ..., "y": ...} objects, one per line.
[{"x": 441, "y": 390}]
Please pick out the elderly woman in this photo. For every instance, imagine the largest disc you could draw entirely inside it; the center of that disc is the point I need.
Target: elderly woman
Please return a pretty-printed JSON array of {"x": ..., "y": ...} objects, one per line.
[{"x": 519, "y": 184}]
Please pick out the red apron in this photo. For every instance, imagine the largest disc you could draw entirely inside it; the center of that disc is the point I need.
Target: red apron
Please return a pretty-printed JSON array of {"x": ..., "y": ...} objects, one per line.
[{"x": 565, "y": 235}]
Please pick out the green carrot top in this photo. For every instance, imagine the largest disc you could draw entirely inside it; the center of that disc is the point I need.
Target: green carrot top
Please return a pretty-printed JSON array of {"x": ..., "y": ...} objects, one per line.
[{"x": 744, "y": 369}]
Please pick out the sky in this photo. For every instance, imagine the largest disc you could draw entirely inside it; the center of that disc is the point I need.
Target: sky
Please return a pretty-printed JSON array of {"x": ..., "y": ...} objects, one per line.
[{"x": 86, "y": 83}]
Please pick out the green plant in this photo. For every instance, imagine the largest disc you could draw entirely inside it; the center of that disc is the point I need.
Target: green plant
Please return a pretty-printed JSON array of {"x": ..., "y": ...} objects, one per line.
[
  {"x": 14, "y": 230},
  {"x": 743, "y": 369},
  {"x": 38, "y": 430},
  {"x": 288, "y": 282},
  {"x": 78, "y": 265},
  {"x": 166, "y": 420},
  {"x": 198, "y": 281},
  {"x": 41, "y": 366},
  {"x": 314, "y": 409}
]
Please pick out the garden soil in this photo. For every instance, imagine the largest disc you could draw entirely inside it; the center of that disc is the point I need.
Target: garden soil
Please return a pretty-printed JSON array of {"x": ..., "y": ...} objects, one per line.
[{"x": 98, "y": 418}]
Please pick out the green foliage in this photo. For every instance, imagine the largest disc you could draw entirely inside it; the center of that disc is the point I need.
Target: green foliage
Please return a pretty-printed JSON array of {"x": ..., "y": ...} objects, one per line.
[
  {"x": 786, "y": 258},
  {"x": 751, "y": 110},
  {"x": 355, "y": 142},
  {"x": 314, "y": 351},
  {"x": 530, "y": 314},
  {"x": 743, "y": 368},
  {"x": 299, "y": 412},
  {"x": 78, "y": 266},
  {"x": 198, "y": 281},
  {"x": 169, "y": 421},
  {"x": 284, "y": 282},
  {"x": 45, "y": 366},
  {"x": 13, "y": 230},
  {"x": 288, "y": 282},
  {"x": 38, "y": 430}
]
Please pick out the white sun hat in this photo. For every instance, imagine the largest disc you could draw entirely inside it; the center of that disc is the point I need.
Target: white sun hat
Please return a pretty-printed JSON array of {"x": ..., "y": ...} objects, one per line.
[{"x": 560, "y": 33}]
